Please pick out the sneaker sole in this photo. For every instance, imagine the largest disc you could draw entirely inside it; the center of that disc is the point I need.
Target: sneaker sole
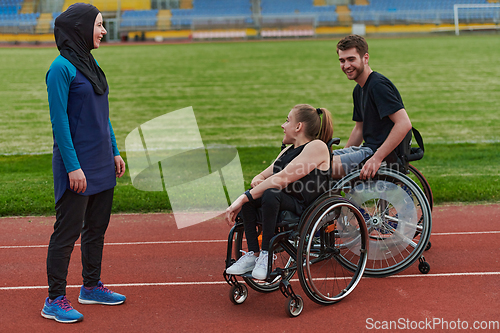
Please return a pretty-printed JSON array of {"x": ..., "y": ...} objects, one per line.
[
  {"x": 86, "y": 301},
  {"x": 60, "y": 321},
  {"x": 240, "y": 272}
]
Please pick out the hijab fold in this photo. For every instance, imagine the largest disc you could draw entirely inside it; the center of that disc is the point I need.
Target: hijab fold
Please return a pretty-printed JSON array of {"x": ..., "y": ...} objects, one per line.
[{"x": 74, "y": 34}]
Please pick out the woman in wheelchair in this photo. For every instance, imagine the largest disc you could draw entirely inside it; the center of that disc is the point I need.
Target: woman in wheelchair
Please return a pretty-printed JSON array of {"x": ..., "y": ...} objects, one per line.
[{"x": 295, "y": 179}]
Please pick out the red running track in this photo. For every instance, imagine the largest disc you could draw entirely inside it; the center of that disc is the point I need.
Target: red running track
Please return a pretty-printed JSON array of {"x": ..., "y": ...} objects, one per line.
[{"x": 173, "y": 281}]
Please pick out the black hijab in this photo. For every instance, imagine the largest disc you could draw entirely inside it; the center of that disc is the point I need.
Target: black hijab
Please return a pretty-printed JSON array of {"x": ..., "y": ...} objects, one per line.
[{"x": 74, "y": 33}]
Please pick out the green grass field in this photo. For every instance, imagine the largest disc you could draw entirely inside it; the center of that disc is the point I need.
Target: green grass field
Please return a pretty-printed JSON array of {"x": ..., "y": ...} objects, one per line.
[{"x": 242, "y": 92}]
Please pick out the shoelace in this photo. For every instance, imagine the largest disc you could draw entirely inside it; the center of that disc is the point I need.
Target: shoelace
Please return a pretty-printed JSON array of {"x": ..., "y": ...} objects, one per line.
[
  {"x": 244, "y": 254},
  {"x": 263, "y": 262},
  {"x": 64, "y": 304},
  {"x": 104, "y": 289}
]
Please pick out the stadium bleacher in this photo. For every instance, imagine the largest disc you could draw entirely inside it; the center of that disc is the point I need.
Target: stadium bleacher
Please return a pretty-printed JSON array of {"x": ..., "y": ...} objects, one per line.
[
  {"x": 11, "y": 18},
  {"x": 274, "y": 8},
  {"x": 9, "y": 7},
  {"x": 204, "y": 11},
  {"x": 267, "y": 18},
  {"x": 392, "y": 11},
  {"x": 139, "y": 18},
  {"x": 23, "y": 21}
]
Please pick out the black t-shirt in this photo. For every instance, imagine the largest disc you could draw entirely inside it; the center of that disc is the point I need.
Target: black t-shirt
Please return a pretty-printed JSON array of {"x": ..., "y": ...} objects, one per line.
[
  {"x": 307, "y": 188},
  {"x": 373, "y": 103}
]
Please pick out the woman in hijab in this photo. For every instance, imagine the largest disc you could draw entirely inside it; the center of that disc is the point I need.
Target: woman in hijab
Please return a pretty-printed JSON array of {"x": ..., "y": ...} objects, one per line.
[{"x": 85, "y": 162}]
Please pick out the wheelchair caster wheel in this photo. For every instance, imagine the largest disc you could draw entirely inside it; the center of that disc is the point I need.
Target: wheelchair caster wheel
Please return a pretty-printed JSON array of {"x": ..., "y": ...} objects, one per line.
[
  {"x": 428, "y": 247},
  {"x": 294, "y": 306},
  {"x": 238, "y": 294},
  {"x": 424, "y": 267}
]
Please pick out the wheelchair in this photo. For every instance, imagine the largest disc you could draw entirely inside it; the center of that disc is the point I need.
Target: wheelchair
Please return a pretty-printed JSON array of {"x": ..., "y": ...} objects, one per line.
[
  {"x": 313, "y": 246},
  {"x": 377, "y": 227},
  {"x": 397, "y": 211}
]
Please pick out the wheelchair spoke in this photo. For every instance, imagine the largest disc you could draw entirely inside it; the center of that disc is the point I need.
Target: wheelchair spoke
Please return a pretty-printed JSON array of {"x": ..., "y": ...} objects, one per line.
[{"x": 402, "y": 237}]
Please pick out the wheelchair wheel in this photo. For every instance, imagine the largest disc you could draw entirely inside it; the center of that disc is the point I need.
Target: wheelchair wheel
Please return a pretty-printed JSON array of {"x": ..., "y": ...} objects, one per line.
[
  {"x": 294, "y": 306},
  {"x": 238, "y": 294},
  {"x": 420, "y": 180},
  {"x": 283, "y": 260},
  {"x": 333, "y": 231},
  {"x": 398, "y": 218}
]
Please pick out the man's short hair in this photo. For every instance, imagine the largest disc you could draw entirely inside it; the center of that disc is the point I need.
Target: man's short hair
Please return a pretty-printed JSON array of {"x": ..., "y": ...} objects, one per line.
[{"x": 351, "y": 41}]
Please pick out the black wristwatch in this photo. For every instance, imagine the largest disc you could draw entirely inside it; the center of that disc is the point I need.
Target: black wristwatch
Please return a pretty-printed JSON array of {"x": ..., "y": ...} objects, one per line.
[{"x": 249, "y": 196}]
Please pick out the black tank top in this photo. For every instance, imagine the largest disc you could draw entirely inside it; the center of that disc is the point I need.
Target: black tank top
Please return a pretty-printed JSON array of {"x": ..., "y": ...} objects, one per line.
[{"x": 307, "y": 188}]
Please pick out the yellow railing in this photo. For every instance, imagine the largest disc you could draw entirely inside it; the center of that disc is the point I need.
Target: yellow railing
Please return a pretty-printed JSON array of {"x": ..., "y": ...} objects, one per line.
[
  {"x": 163, "y": 22},
  {"x": 43, "y": 24},
  {"x": 186, "y": 4},
  {"x": 320, "y": 2},
  {"x": 344, "y": 15},
  {"x": 113, "y": 5}
]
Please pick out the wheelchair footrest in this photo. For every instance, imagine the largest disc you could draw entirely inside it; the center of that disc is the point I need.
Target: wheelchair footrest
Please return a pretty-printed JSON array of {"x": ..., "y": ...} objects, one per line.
[{"x": 271, "y": 277}]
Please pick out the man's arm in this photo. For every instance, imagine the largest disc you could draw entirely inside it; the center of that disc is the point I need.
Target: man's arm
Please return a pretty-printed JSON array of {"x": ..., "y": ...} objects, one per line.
[
  {"x": 402, "y": 125},
  {"x": 356, "y": 137}
]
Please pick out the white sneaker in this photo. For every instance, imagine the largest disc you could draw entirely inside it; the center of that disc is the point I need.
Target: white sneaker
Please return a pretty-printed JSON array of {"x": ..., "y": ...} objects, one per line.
[
  {"x": 245, "y": 264},
  {"x": 260, "y": 270}
]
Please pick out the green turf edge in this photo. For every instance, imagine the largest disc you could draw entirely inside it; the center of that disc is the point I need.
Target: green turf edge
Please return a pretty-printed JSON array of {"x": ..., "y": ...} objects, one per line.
[{"x": 457, "y": 173}]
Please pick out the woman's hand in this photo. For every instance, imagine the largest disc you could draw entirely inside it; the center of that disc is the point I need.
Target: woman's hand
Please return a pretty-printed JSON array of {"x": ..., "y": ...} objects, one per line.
[
  {"x": 257, "y": 180},
  {"x": 234, "y": 209},
  {"x": 119, "y": 166},
  {"x": 77, "y": 181}
]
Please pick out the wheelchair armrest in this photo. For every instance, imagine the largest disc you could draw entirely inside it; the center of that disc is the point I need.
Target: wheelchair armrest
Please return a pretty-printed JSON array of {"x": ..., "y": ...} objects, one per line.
[
  {"x": 331, "y": 142},
  {"x": 416, "y": 154}
]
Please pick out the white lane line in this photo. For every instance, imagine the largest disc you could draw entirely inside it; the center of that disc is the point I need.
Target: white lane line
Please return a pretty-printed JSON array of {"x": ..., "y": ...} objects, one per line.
[
  {"x": 194, "y": 283},
  {"x": 124, "y": 243},
  {"x": 464, "y": 233},
  {"x": 445, "y": 274},
  {"x": 224, "y": 240},
  {"x": 160, "y": 284}
]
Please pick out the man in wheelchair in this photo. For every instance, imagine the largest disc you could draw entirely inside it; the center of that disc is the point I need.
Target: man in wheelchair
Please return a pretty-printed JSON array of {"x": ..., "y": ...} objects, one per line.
[
  {"x": 381, "y": 119},
  {"x": 297, "y": 177}
]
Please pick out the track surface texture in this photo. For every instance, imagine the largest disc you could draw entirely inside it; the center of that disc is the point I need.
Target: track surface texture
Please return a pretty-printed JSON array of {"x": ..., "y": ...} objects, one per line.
[{"x": 173, "y": 281}]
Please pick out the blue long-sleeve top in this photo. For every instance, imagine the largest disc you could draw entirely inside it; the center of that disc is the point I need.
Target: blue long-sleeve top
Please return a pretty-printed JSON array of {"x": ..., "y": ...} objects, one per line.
[{"x": 82, "y": 131}]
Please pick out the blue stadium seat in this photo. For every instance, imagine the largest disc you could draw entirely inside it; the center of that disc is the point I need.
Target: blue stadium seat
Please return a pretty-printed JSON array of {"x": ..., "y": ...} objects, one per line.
[
  {"x": 389, "y": 11},
  {"x": 139, "y": 18},
  {"x": 272, "y": 8},
  {"x": 208, "y": 10},
  {"x": 20, "y": 21}
]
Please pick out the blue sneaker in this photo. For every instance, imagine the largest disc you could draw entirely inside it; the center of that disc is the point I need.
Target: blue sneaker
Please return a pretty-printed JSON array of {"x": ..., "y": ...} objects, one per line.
[
  {"x": 100, "y": 295},
  {"x": 61, "y": 311}
]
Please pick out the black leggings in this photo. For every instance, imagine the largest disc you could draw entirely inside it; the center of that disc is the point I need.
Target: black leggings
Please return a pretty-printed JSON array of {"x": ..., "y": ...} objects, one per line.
[
  {"x": 272, "y": 202},
  {"x": 78, "y": 214}
]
